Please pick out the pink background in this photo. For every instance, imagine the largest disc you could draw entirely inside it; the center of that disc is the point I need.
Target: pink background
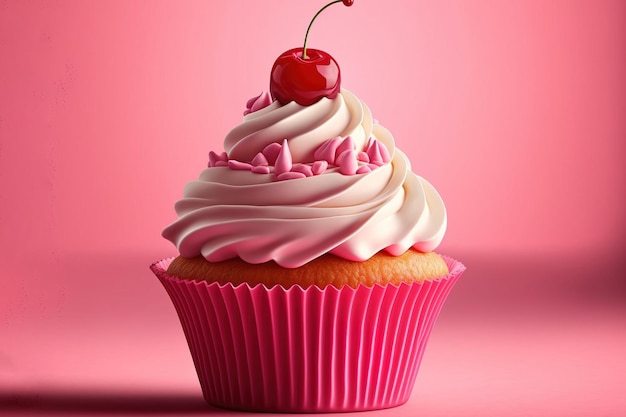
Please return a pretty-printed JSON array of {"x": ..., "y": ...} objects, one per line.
[{"x": 515, "y": 111}]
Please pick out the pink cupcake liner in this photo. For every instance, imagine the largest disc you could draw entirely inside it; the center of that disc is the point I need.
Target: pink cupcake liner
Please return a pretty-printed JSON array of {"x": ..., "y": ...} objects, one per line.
[{"x": 307, "y": 350}]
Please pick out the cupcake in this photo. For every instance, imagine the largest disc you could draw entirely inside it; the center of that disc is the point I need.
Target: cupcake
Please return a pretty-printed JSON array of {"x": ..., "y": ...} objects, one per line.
[{"x": 307, "y": 279}]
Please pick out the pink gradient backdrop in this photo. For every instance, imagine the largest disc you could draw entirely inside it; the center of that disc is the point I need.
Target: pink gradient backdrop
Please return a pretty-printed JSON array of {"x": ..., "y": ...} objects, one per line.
[{"x": 514, "y": 110}]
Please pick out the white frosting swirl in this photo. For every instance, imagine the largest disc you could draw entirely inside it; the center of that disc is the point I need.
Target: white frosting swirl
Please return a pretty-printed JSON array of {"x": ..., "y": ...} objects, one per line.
[{"x": 229, "y": 213}]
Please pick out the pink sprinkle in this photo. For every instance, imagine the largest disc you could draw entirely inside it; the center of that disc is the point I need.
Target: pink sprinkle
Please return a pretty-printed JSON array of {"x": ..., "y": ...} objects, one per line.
[
  {"x": 251, "y": 101},
  {"x": 238, "y": 165},
  {"x": 271, "y": 152},
  {"x": 260, "y": 160},
  {"x": 214, "y": 158},
  {"x": 346, "y": 145},
  {"x": 327, "y": 150},
  {"x": 261, "y": 169},
  {"x": 377, "y": 152},
  {"x": 319, "y": 167},
  {"x": 257, "y": 103},
  {"x": 363, "y": 157},
  {"x": 283, "y": 161},
  {"x": 262, "y": 101},
  {"x": 347, "y": 162},
  {"x": 290, "y": 176},
  {"x": 363, "y": 170},
  {"x": 384, "y": 152},
  {"x": 303, "y": 168}
]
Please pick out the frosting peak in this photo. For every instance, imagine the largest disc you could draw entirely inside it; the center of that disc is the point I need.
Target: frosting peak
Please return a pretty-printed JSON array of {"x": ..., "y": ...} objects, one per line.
[{"x": 296, "y": 182}]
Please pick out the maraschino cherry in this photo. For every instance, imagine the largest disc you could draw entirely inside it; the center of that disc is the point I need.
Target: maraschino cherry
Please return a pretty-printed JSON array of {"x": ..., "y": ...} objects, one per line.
[{"x": 306, "y": 75}]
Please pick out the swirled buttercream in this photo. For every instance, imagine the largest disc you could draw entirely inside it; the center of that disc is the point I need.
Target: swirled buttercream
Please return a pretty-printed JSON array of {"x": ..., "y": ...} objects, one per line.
[{"x": 345, "y": 189}]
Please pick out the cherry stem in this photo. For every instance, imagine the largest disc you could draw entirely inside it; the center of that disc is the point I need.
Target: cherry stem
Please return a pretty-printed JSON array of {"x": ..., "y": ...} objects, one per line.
[{"x": 306, "y": 36}]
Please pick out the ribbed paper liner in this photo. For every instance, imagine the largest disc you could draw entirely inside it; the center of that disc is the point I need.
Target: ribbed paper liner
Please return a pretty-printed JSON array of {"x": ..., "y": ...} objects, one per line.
[{"x": 307, "y": 350}]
